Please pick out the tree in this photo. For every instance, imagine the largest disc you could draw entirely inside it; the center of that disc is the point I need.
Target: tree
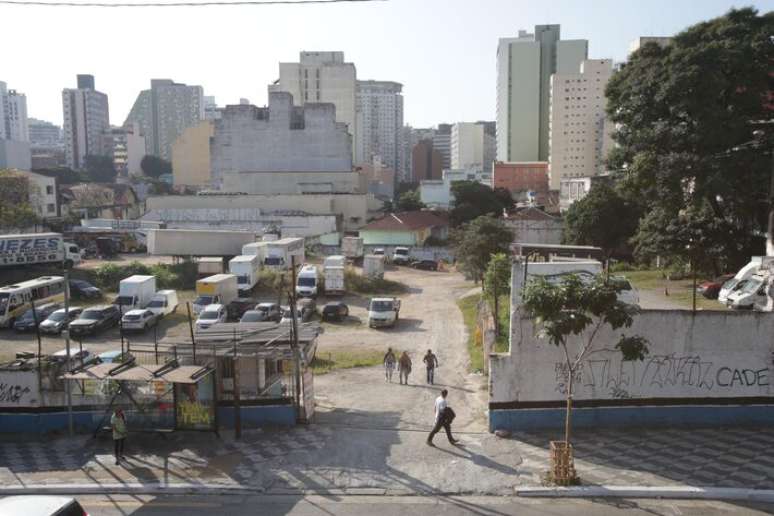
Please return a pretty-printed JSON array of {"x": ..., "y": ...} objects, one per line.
[
  {"x": 573, "y": 312},
  {"x": 505, "y": 198},
  {"x": 16, "y": 211},
  {"x": 688, "y": 124},
  {"x": 497, "y": 282},
  {"x": 476, "y": 242},
  {"x": 155, "y": 167},
  {"x": 472, "y": 200},
  {"x": 603, "y": 218},
  {"x": 410, "y": 201},
  {"x": 100, "y": 169}
]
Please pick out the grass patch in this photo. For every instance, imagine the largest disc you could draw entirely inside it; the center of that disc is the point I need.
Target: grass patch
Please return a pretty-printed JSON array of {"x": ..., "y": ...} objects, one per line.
[
  {"x": 355, "y": 282},
  {"x": 680, "y": 291},
  {"x": 502, "y": 343},
  {"x": 469, "y": 307},
  {"x": 327, "y": 361}
]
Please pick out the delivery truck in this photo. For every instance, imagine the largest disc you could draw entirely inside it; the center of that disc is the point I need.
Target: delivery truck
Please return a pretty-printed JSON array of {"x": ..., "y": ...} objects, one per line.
[
  {"x": 255, "y": 248},
  {"x": 280, "y": 253},
  {"x": 135, "y": 292},
  {"x": 195, "y": 242},
  {"x": 352, "y": 247},
  {"x": 246, "y": 269},
  {"x": 333, "y": 270},
  {"x": 209, "y": 266},
  {"x": 37, "y": 248},
  {"x": 218, "y": 289},
  {"x": 373, "y": 266}
]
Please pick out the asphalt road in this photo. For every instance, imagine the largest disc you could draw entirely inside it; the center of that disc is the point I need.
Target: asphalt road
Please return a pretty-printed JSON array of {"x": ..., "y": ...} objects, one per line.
[{"x": 404, "y": 506}]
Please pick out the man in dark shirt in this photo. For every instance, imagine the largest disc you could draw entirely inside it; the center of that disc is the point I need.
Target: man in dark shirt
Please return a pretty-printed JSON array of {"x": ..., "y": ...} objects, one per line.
[{"x": 431, "y": 362}]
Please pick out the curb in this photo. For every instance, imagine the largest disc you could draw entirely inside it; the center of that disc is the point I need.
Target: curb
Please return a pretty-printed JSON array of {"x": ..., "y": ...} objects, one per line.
[{"x": 668, "y": 492}]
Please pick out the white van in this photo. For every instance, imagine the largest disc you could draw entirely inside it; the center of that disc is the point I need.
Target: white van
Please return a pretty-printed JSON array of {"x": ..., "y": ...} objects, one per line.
[
  {"x": 164, "y": 302},
  {"x": 307, "y": 282},
  {"x": 735, "y": 283}
]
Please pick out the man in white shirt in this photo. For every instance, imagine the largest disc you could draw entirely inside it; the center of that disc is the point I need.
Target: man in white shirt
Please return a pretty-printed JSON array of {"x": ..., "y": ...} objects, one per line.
[{"x": 443, "y": 419}]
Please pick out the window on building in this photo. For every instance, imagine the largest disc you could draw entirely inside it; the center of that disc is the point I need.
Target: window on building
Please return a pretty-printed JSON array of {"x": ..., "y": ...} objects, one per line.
[
  {"x": 49, "y": 190},
  {"x": 50, "y": 208}
]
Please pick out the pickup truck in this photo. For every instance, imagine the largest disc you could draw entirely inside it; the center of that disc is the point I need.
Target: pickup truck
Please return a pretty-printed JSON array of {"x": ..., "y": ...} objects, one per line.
[{"x": 383, "y": 311}]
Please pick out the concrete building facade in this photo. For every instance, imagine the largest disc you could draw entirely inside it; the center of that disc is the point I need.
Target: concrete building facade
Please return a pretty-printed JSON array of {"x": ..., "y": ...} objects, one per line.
[
  {"x": 13, "y": 115},
  {"x": 86, "y": 120},
  {"x": 524, "y": 68},
  {"x": 580, "y": 135},
  {"x": 43, "y": 194},
  {"x": 44, "y": 134},
  {"x": 442, "y": 143},
  {"x": 436, "y": 193},
  {"x": 379, "y": 122},
  {"x": 126, "y": 145},
  {"x": 426, "y": 161},
  {"x": 473, "y": 145},
  {"x": 322, "y": 77},
  {"x": 191, "y": 156},
  {"x": 163, "y": 112}
]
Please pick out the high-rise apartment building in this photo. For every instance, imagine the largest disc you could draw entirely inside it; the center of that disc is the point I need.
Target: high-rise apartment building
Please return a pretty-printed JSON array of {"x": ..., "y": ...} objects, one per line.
[
  {"x": 322, "y": 77},
  {"x": 473, "y": 146},
  {"x": 13, "y": 115},
  {"x": 126, "y": 146},
  {"x": 524, "y": 68},
  {"x": 379, "y": 122},
  {"x": 442, "y": 143},
  {"x": 580, "y": 136},
  {"x": 86, "y": 119},
  {"x": 44, "y": 134},
  {"x": 164, "y": 111}
]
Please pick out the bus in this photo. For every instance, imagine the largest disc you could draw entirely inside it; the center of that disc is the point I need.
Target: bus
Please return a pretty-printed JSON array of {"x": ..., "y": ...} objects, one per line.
[{"x": 15, "y": 299}]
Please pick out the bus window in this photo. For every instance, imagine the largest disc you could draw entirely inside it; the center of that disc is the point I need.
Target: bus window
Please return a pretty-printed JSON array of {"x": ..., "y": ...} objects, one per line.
[{"x": 3, "y": 303}]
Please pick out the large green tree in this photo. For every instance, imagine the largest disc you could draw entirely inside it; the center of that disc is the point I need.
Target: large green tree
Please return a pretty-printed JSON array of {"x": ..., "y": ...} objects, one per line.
[
  {"x": 16, "y": 212},
  {"x": 471, "y": 200},
  {"x": 155, "y": 167},
  {"x": 689, "y": 133},
  {"x": 476, "y": 242},
  {"x": 410, "y": 201}
]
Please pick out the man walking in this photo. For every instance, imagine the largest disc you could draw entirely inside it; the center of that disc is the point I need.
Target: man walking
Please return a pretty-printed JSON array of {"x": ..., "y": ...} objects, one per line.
[
  {"x": 118, "y": 423},
  {"x": 444, "y": 416},
  {"x": 389, "y": 365},
  {"x": 404, "y": 367},
  {"x": 431, "y": 362}
]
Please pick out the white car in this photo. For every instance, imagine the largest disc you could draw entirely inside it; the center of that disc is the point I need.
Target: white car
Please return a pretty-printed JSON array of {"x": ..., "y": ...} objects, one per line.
[
  {"x": 139, "y": 319},
  {"x": 41, "y": 505},
  {"x": 210, "y": 316},
  {"x": 628, "y": 294},
  {"x": 76, "y": 354}
]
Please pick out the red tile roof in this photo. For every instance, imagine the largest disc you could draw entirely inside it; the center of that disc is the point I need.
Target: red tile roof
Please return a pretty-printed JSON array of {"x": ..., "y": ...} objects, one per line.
[
  {"x": 407, "y": 221},
  {"x": 531, "y": 213}
]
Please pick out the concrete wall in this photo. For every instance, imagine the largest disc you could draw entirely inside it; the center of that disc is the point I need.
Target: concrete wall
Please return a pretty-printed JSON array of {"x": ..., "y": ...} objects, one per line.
[
  {"x": 15, "y": 154},
  {"x": 267, "y": 183},
  {"x": 191, "y": 156},
  {"x": 536, "y": 231}
]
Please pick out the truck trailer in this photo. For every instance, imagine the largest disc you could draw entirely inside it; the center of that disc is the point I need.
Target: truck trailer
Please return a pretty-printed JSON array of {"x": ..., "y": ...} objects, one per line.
[
  {"x": 37, "y": 248},
  {"x": 280, "y": 253},
  {"x": 195, "y": 242},
  {"x": 246, "y": 269},
  {"x": 135, "y": 292}
]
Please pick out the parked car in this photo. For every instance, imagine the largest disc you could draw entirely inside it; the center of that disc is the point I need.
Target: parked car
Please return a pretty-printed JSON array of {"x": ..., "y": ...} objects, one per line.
[
  {"x": 252, "y": 316},
  {"x": 628, "y": 294},
  {"x": 140, "y": 319},
  {"x": 378, "y": 251},
  {"x": 80, "y": 289},
  {"x": 270, "y": 311},
  {"x": 238, "y": 307},
  {"x": 335, "y": 311},
  {"x": 210, "y": 316},
  {"x": 26, "y": 322},
  {"x": 425, "y": 265},
  {"x": 95, "y": 319},
  {"x": 711, "y": 288},
  {"x": 305, "y": 310},
  {"x": 60, "y": 320},
  {"x": 41, "y": 505},
  {"x": 76, "y": 354}
]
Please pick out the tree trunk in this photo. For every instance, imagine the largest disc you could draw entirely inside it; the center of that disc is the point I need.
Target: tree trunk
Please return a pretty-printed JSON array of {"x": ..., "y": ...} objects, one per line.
[{"x": 568, "y": 414}]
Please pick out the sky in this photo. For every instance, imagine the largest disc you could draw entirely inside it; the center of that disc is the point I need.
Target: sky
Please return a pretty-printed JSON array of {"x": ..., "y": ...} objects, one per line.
[{"x": 442, "y": 51}]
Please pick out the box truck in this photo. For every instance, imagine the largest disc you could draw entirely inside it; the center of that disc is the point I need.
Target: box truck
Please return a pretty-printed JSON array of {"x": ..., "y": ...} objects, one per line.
[
  {"x": 333, "y": 270},
  {"x": 352, "y": 247},
  {"x": 246, "y": 269},
  {"x": 135, "y": 292},
  {"x": 209, "y": 265},
  {"x": 257, "y": 249},
  {"x": 373, "y": 265},
  {"x": 280, "y": 253},
  {"x": 220, "y": 288},
  {"x": 37, "y": 248},
  {"x": 195, "y": 242}
]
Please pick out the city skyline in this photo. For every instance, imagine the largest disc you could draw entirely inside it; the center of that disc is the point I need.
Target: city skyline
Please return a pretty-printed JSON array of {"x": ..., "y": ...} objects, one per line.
[{"x": 457, "y": 84}]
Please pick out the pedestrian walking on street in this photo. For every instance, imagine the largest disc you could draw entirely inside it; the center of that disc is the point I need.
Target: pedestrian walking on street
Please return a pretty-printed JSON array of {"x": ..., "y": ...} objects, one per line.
[
  {"x": 444, "y": 415},
  {"x": 118, "y": 423},
  {"x": 389, "y": 365},
  {"x": 431, "y": 362},
  {"x": 404, "y": 367}
]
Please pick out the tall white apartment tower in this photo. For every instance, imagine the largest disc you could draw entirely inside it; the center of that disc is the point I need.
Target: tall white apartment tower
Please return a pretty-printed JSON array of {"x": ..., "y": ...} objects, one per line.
[
  {"x": 322, "y": 77},
  {"x": 580, "y": 135},
  {"x": 86, "y": 119},
  {"x": 379, "y": 122},
  {"x": 13, "y": 115},
  {"x": 472, "y": 146},
  {"x": 524, "y": 68}
]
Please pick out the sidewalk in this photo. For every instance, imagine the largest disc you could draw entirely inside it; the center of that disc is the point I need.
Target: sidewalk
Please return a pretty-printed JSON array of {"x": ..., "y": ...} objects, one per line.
[{"x": 329, "y": 458}]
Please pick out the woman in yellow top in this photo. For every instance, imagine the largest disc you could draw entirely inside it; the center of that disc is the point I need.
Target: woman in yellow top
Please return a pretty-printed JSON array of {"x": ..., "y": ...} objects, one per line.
[{"x": 118, "y": 423}]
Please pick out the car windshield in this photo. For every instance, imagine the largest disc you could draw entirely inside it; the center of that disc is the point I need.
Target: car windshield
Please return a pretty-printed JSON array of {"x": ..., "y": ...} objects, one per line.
[
  {"x": 730, "y": 284},
  {"x": 264, "y": 309},
  {"x": 623, "y": 284},
  {"x": 156, "y": 303},
  {"x": 91, "y": 315},
  {"x": 133, "y": 317},
  {"x": 57, "y": 316},
  {"x": 381, "y": 306},
  {"x": 203, "y": 300},
  {"x": 80, "y": 284},
  {"x": 243, "y": 280},
  {"x": 402, "y": 252},
  {"x": 306, "y": 282},
  {"x": 27, "y": 316},
  {"x": 252, "y": 317},
  {"x": 273, "y": 261},
  {"x": 209, "y": 315},
  {"x": 752, "y": 286}
]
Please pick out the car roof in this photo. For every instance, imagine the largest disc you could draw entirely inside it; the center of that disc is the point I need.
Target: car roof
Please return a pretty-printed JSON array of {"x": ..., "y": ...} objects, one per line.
[
  {"x": 213, "y": 307},
  {"x": 34, "y": 505},
  {"x": 267, "y": 304},
  {"x": 137, "y": 311},
  {"x": 72, "y": 309},
  {"x": 100, "y": 307},
  {"x": 334, "y": 303}
]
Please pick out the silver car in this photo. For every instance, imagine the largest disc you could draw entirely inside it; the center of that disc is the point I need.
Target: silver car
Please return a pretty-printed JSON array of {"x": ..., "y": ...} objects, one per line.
[{"x": 60, "y": 320}]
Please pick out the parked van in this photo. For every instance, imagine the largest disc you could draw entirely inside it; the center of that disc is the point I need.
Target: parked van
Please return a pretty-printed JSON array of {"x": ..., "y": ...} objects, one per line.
[
  {"x": 400, "y": 256},
  {"x": 163, "y": 303},
  {"x": 734, "y": 283},
  {"x": 307, "y": 282}
]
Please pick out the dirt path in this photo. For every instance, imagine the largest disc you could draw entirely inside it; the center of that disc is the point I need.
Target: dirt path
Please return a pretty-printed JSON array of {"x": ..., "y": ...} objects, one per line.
[{"x": 429, "y": 318}]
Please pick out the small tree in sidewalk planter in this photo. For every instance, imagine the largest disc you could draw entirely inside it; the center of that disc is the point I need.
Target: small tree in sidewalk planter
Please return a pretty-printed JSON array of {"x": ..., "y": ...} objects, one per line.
[
  {"x": 497, "y": 282},
  {"x": 570, "y": 315}
]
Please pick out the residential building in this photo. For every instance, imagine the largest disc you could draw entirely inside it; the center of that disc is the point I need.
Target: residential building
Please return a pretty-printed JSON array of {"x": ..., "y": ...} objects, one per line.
[
  {"x": 322, "y": 77},
  {"x": 163, "y": 112},
  {"x": 282, "y": 149},
  {"x": 100, "y": 200},
  {"x": 15, "y": 154},
  {"x": 436, "y": 193},
  {"x": 43, "y": 194},
  {"x": 524, "y": 68},
  {"x": 426, "y": 161},
  {"x": 442, "y": 143},
  {"x": 380, "y": 120},
  {"x": 13, "y": 115},
  {"x": 521, "y": 178},
  {"x": 86, "y": 119},
  {"x": 473, "y": 145},
  {"x": 579, "y": 130},
  {"x": 409, "y": 228},
  {"x": 572, "y": 189},
  {"x": 191, "y": 156},
  {"x": 44, "y": 134},
  {"x": 127, "y": 148},
  {"x": 643, "y": 40},
  {"x": 535, "y": 226},
  {"x": 409, "y": 137}
]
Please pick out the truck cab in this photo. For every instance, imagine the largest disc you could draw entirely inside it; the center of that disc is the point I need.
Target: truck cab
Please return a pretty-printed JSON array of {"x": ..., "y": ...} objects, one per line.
[
  {"x": 164, "y": 303},
  {"x": 400, "y": 255},
  {"x": 383, "y": 311},
  {"x": 307, "y": 282}
]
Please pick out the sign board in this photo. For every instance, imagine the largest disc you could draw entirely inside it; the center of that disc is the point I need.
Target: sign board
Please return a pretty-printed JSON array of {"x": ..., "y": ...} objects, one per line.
[
  {"x": 195, "y": 404},
  {"x": 23, "y": 249}
]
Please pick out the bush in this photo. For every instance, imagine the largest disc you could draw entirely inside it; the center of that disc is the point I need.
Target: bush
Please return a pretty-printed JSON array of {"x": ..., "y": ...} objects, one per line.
[
  {"x": 622, "y": 267},
  {"x": 355, "y": 282},
  {"x": 180, "y": 276}
]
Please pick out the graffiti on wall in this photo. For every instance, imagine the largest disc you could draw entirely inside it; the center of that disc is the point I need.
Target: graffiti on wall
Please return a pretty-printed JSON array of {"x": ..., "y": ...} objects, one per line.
[{"x": 18, "y": 389}]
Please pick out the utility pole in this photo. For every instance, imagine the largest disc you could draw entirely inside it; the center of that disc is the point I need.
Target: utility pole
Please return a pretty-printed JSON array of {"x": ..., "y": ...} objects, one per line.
[
  {"x": 294, "y": 333},
  {"x": 40, "y": 348},
  {"x": 67, "y": 350}
]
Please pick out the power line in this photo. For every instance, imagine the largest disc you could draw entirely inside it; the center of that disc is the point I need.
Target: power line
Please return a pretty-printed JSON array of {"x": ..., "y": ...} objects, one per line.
[{"x": 208, "y": 3}]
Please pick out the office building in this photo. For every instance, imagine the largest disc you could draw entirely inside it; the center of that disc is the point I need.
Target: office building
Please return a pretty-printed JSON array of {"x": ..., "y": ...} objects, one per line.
[
  {"x": 473, "y": 145},
  {"x": 436, "y": 193},
  {"x": 44, "y": 134},
  {"x": 380, "y": 120},
  {"x": 524, "y": 68},
  {"x": 580, "y": 134},
  {"x": 13, "y": 115},
  {"x": 442, "y": 143},
  {"x": 211, "y": 109},
  {"x": 86, "y": 119},
  {"x": 163, "y": 112},
  {"x": 426, "y": 161}
]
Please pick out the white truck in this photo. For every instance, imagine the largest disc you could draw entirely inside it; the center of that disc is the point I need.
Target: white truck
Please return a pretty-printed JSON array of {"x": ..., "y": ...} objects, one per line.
[
  {"x": 256, "y": 249},
  {"x": 218, "y": 289},
  {"x": 400, "y": 256},
  {"x": 37, "y": 248},
  {"x": 246, "y": 269},
  {"x": 308, "y": 281},
  {"x": 352, "y": 247},
  {"x": 135, "y": 292},
  {"x": 383, "y": 311},
  {"x": 196, "y": 242},
  {"x": 280, "y": 253},
  {"x": 209, "y": 265},
  {"x": 333, "y": 270},
  {"x": 373, "y": 266}
]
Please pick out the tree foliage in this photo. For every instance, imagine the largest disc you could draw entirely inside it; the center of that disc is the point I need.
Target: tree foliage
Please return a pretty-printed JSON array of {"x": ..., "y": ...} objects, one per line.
[
  {"x": 155, "y": 167},
  {"x": 505, "y": 198},
  {"x": 688, "y": 134},
  {"x": 100, "y": 169},
  {"x": 476, "y": 242},
  {"x": 16, "y": 212},
  {"x": 409, "y": 201},
  {"x": 497, "y": 282},
  {"x": 472, "y": 200}
]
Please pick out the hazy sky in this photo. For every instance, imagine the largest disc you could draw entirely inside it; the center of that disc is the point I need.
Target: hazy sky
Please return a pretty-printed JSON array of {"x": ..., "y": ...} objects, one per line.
[{"x": 443, "y": 51}]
